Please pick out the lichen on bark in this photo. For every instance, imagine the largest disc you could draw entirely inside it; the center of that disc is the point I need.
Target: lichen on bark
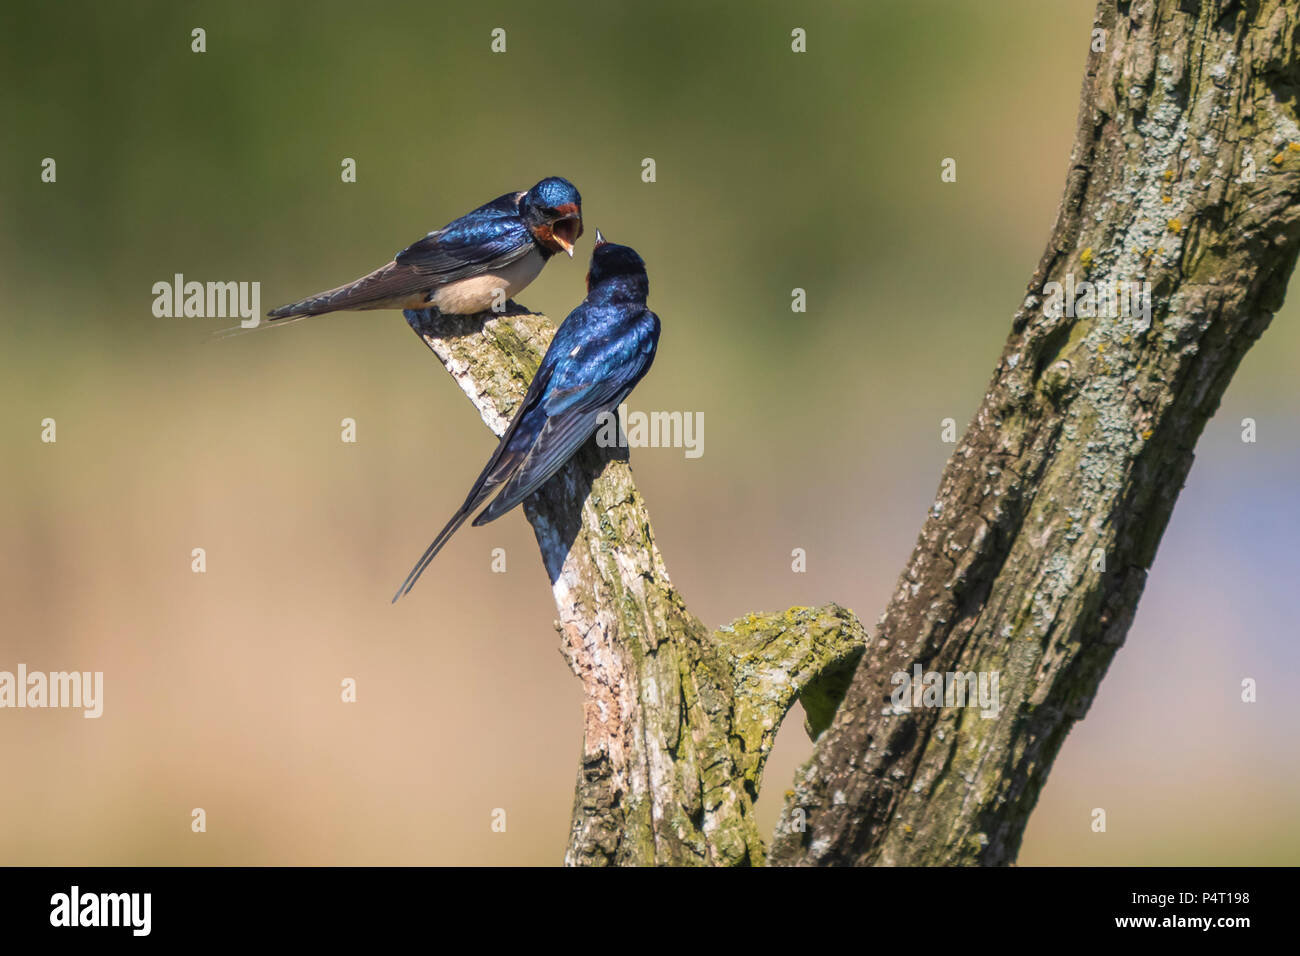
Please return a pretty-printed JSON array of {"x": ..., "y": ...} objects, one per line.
[
  {"x": 1034, "y": 555},
  {"x": 678, "y": 721},
  {"x": 1185, "y": 174}
]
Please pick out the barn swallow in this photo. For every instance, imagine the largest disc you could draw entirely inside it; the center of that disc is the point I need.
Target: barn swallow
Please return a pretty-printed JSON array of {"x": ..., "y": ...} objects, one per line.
[
  {"x": 459, "y": 268},
  {"x": 599, "y": 353}
]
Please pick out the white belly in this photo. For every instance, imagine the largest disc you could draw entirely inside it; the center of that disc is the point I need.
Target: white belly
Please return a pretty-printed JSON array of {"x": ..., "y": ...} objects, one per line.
[{"x": 480, "y": 293}]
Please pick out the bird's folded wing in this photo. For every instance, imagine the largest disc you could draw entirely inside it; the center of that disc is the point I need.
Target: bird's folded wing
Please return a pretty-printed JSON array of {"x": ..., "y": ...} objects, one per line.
[
  {"x": 561, "y": 436},
  {"x": 486, "y": 239}
]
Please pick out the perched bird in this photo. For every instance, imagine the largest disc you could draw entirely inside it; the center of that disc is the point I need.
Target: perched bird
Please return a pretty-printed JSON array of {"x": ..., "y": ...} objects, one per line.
[
  {"x": 459, "y": 268},
  {"x": 598, "y": 354}
]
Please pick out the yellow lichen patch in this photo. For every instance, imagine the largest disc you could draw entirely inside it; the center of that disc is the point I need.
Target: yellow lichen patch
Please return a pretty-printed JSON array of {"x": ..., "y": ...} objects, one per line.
[
  {"x": 1085, "y": 257},
  {"x": 1101, "y": 347},
  {"x": 1166, "y": 198},
  {"x": 1175, "y": 225},
  {"x": 1294, "y": 147},
  {"x": 1277, "y": 160},
  {"x": 1169, "y": 175},
  {"x": 1146, "y": 435}
]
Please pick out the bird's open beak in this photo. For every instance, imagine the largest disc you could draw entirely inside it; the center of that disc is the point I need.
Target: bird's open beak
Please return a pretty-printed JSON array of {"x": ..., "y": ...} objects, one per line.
[
  {"x": 567, "y": 228},
  {"x": 600, "y": 240}
]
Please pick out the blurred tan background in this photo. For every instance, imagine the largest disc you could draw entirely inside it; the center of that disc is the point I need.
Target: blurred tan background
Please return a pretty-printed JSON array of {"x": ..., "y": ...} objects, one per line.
[{"x": 775, "y": 171}]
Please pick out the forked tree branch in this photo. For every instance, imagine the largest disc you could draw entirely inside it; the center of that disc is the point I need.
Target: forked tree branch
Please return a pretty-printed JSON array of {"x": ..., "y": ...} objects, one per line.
[
  {"x": 677, "y": 720},
  {"x": 1185, "y": 174}
]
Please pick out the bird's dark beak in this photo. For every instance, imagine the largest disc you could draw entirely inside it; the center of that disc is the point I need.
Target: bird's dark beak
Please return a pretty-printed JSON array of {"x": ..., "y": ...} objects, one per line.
[{"x": 567, "y": 228}]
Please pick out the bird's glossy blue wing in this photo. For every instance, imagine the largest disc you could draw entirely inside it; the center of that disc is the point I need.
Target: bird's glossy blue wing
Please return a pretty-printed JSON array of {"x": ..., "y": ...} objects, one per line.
[
  {"x": 574, "y": 413},
  {"x": 488, "y": 238}
]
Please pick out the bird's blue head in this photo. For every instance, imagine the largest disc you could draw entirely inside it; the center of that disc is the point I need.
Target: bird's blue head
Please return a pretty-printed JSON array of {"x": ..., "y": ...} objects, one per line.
[
  {"x": 616, "y": 272},
  {"x": 552, "y": 210}
]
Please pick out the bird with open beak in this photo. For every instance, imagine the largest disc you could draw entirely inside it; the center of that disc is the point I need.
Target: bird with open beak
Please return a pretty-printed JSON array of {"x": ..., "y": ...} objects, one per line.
[
  {"x": 469, "y": 265},
  {"x": 598, "y": 354}
]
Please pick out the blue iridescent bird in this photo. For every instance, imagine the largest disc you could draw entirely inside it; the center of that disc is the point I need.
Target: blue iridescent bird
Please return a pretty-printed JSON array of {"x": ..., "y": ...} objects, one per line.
[
  {"x": 469, "y": 264},
  {"x": 597, "y": 356}
]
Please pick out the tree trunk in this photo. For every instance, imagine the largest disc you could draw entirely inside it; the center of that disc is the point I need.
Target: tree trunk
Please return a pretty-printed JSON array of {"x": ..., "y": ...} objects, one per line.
[
  {"x": 1184, "y": 174},
  {"x": 1036, "y": 550}
]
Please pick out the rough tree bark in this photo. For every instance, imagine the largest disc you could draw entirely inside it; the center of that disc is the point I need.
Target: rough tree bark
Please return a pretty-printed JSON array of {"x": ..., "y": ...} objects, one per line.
[
  {"x": 1184, "y": 174},
  {"x": 677, "y": 720}
]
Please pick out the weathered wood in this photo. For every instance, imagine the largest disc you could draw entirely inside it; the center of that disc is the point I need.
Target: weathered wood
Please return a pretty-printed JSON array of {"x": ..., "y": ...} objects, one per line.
[
  {"x": 1185, "y": 173},
  {"x": 677, "y": 721}
]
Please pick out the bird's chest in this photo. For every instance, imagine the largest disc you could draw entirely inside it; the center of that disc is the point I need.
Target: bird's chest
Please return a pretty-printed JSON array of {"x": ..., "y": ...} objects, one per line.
[{"x": 480, "y": 293}]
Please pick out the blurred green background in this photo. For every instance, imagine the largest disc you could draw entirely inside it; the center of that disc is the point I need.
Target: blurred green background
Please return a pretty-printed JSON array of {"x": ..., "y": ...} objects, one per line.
[{"x": 775, "y": 170}]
